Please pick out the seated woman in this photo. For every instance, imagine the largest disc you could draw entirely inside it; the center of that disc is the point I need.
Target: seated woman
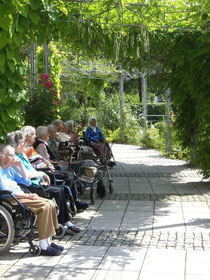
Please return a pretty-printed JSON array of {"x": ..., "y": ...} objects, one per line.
[
  {"x": 34, "y": 157},
  {"x": 43, "y": 208},
  {"x": 17, "y": 141},
  {"x": 96, "y": 139}
]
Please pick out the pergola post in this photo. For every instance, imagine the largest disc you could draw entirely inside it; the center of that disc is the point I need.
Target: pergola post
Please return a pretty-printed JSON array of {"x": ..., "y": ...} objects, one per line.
[
  {"x": 168, "y": 119},
  {"x": 121, "y": 102},
  {"x": 144, "y": 100},
  {"x": 33, "y": 68},
  {"x": 46, "y": 52}
]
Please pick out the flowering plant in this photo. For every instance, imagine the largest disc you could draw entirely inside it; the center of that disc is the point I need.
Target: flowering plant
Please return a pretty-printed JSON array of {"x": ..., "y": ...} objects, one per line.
[{"x": 42, "y": 108}]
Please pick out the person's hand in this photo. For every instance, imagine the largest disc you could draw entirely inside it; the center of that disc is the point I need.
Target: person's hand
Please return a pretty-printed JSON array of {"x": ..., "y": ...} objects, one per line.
[
  {"x": 16, "y": 161},
  {"x": 32, "y": 196},
  {"x": 50, "y": 165},
  {"x": 79, "y": 127},
  {"x": 46, "y": 180}
]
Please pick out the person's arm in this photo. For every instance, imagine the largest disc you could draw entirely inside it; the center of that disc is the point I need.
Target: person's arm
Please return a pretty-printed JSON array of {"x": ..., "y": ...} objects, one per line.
[
  {"x": 23, "y": 171},
  {"x": 74, "y": 137},
  {"x": 101, "y": 136},
  {"x": 42, "y": 150},
  {"x": 31, "y": 196}
]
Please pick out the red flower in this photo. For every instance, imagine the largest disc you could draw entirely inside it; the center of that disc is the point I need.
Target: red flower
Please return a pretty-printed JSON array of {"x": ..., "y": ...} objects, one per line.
[
  {"x": 48, "y": 84},
  {"x": 171, "y": 114},
  {"x": 45, "y": 77},
  {"x": 40, "y": 81}
]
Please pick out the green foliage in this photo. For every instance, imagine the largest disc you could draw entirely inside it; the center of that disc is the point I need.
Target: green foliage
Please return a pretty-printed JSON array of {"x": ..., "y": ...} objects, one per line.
[
  {"x": 190, "y": 91},
  {"x": 43, "y": 106}
]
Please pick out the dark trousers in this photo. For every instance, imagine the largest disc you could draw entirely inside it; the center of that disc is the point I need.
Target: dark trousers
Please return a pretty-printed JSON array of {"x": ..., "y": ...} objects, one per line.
[{"x": 68, "y": 179}]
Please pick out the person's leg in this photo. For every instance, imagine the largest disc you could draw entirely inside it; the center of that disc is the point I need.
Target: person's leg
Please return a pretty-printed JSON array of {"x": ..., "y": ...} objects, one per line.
[
  {"x": 46, "y": 215},
  {"x": 58, "y": 194}
]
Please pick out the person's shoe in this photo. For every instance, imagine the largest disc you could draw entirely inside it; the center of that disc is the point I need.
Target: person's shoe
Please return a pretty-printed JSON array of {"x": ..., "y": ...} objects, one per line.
[
  {"x": 81, "y": 205},
  {"x": 111, "y": 163},
  {"x": 69, "y": 232},
  {"x": 58, "y": 247},
  {"x": 74, "y": 229},
  {"x": 50, "y": 252}
]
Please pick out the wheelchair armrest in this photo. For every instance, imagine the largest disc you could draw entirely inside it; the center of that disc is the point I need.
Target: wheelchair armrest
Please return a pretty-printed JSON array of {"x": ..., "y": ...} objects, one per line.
[
  {"x": 44, "y": 169},
  {"x": 5, "y": 192}
]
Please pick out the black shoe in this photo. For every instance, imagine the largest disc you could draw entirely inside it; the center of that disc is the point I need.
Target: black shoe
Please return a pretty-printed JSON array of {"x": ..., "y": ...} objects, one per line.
[
  {"x": 58, "y": 247},
  {"x": 50, "y": 252},
  {"x": 112, "y": 164},
  {"x": 74, "y": 229},
  {"x": 81, "y": 205}
]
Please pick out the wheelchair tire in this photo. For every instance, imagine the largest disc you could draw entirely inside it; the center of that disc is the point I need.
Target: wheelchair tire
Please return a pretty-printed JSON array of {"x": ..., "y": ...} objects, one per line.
[
  {"x": 60, "y": 232},
  {"x": 111, "y": 189},
  {"x": 7, "y": 230},
  {"x": 35, "y": 250},
  {"x": 92, "y": 196}
]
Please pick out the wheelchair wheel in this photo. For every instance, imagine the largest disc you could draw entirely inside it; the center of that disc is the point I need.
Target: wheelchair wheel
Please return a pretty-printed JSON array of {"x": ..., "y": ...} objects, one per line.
[
  {"x": 60, "y": 232},
  {"x": 35, "y": 250},
  {"x": 7, "y": 230},
  {"x": 111, "y": 189},
  {"x": 92, "y": 196}
]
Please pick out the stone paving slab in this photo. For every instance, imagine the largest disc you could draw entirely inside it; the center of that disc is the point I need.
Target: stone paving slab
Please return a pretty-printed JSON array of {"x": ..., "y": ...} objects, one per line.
[{"x": 155, "y": 225}]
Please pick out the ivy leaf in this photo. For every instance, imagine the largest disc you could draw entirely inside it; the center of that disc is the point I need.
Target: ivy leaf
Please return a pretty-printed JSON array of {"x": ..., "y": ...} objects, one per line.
[
  {"x": 3, "y": 39},
  {"x": 23, "y": 10},
  {"x": 6, "y": 20},
  {"x": 2, "y": 93},
  {"x": 11, "y": 65},
  {"x": 5, "y": 116},
  {"x": 34, "y": 16},
  {"x": 10, "y": 53},
  {"x": 11, "y": 125},
  {"x": 17, "y": 94},
  {"x": 34, "y": 4},
  {"x": 2, "y": 58},
  {"x": 18, "y": 38}
]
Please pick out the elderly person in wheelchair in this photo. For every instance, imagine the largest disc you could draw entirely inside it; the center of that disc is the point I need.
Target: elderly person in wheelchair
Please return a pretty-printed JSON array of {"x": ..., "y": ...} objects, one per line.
[
  {"x": 40, "y": 181},
  {"x": 34, "y": 157},
  {"x": 95, "y": 138},
  {"x": 45, "y": 209}
]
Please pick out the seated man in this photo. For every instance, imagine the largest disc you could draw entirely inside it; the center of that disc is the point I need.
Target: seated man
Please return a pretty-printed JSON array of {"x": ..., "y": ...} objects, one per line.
[
  {"x": 96, "y": 139},
  {"x": 44, "y": 208}
]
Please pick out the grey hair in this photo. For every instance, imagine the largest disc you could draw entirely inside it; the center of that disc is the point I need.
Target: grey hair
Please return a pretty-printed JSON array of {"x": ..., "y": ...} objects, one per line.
[
  {"x": 69, "y": 122},
  {"x": 91, "y": 119},
  {"x": 56, "y": 122},
  {"x": 27, "y": 130},
  {"x": 40, "y": 131},
  {"x": 51, "y": 126},
  {"x": 4, "y": 148},
  {"x": 14, "y": 138}
]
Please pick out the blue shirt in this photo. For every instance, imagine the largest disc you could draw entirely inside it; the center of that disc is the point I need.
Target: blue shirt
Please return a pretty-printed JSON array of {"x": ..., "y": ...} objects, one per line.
[
  {"x": 94, "y": 136},
  {"x": 9, "y": 180}
]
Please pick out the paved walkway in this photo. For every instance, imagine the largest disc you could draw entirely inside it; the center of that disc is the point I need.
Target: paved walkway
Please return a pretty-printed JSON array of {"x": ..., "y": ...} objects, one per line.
[{"x": 156, "y": 225}]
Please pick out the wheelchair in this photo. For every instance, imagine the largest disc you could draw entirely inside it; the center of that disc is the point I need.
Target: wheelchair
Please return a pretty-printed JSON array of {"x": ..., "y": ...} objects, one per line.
[
  {"x": 59, "y": 183},
  {"x": 18, "y": 223},
  {"x": 88, "y": 168}
]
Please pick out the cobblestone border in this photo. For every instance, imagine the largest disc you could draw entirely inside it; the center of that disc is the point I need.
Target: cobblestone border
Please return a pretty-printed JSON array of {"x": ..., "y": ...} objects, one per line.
[
  {"x": 158, "y": 175},
  {"x": 144, "y": 239},
  {"x": 154, "y": 197}
]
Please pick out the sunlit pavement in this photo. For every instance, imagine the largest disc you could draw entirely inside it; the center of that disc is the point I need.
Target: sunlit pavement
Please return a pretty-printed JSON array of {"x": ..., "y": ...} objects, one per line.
[{"x": 155, "y": 225}]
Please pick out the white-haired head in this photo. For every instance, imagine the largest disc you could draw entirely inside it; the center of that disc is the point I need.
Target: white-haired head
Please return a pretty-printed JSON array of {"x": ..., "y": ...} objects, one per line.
[
  {"x": 91, "y": 119},
  {"x": 40, "y": 131}
]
